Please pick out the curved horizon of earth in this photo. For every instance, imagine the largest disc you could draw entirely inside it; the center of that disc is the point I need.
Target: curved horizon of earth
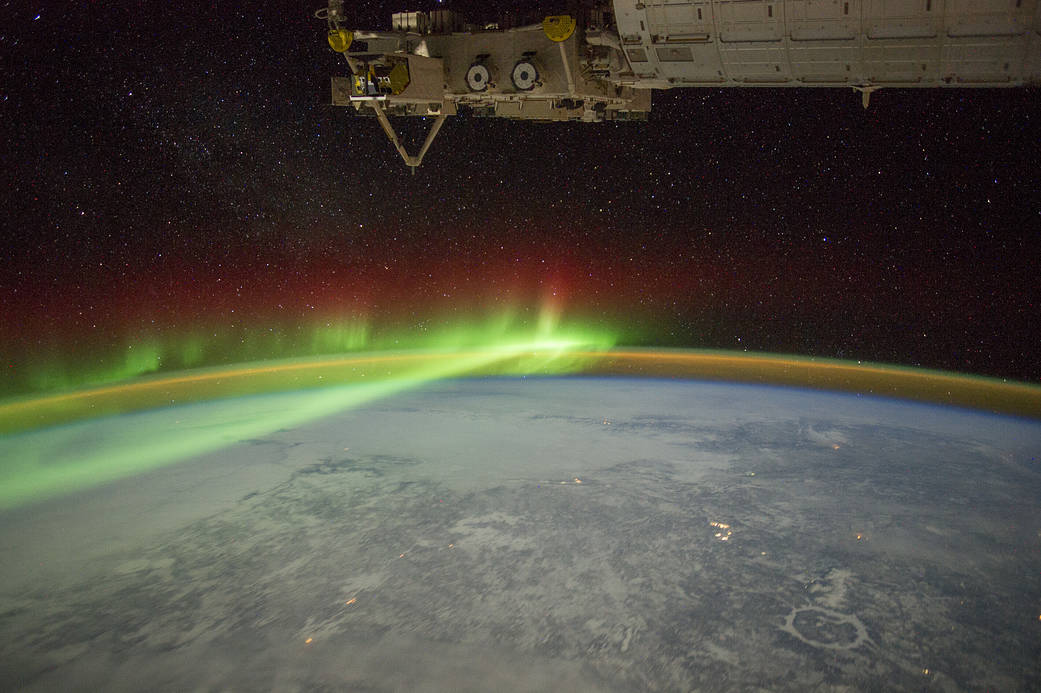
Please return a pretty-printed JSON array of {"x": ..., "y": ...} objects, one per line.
[{"x": 586, "y": 534}]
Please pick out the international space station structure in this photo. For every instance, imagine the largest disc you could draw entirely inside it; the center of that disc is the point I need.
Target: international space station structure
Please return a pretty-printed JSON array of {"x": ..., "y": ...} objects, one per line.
[{"x": 602, "y": 59}]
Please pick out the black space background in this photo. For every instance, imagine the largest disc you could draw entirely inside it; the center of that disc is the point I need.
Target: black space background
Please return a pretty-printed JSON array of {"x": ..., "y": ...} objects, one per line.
[{"x": 143, "y": 143}]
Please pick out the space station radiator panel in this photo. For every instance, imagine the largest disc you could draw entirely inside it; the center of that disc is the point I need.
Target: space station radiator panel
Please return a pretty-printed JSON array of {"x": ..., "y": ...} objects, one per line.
[{"x": 926, "y": 43}]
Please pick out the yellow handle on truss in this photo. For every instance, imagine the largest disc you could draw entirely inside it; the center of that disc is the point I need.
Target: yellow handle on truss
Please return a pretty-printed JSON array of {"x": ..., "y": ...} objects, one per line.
[{"x": 340, "y": 40}]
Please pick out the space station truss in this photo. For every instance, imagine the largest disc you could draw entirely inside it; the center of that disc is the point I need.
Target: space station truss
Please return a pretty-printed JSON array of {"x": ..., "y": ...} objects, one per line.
[{"x": 602, "y": 61}]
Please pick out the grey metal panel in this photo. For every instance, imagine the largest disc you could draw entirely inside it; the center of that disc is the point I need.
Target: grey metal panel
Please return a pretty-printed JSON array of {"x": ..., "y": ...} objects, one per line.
[
  {"x": 817, "y": 62},
  {"x": 829, "y": 20},
  {"x": 901, "y": 61},
  {"x": 860, "y": 42},
  {"x": 674, "y": 54},
  {"x": 705, "y": 68},
  {"x": 888, "y": 19},
  {"x": 975, "y": 18},
  {"x": 1032, "y": 61},
  {"x": 750, "y": 20},
  {"x": 982, "y": 59},
  {"x": 503, "y": 49},
  {"x": 677, "y": 18},
  {"x": 1032, "y": 67},
  {"x": 756, "y": 61}
]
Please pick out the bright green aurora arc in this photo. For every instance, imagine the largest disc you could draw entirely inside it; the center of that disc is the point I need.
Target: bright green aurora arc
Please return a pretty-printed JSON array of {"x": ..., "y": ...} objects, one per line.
[{"x": 48, "y": 449}]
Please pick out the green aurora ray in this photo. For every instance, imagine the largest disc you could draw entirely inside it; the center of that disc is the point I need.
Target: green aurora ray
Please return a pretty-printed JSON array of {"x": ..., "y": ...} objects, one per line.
[
  {"x": 76, "y": 363},
  {"x": 40, "y": 458},
  {"x": 69, "y": 441}
]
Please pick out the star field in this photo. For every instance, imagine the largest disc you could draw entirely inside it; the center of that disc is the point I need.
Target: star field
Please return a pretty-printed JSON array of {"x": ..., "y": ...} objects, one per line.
[{"x": 173, "y": 169}]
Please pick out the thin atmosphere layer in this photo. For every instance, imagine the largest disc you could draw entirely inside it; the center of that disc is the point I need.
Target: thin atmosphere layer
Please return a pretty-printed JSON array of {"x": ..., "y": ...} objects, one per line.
[
  {"x": 43, "y": 458},
  {"x": 396, "y": 371}
]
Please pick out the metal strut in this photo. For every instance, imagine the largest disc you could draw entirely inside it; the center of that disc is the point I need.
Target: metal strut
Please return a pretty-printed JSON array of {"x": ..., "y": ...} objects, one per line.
[
  {"x": 865, "y": 94},
  {"x": 412, "y": 162}
]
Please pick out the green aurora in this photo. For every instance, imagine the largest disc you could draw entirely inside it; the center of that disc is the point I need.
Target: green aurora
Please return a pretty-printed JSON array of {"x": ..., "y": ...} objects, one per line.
[
  {"x": 78, "y": 363},
  {"x": 40, "y": 459},
  {"x": 49, "y": 444}
]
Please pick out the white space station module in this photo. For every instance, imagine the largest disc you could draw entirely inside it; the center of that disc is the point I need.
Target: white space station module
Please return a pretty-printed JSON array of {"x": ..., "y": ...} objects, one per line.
[{"x": 603, "y": 59}]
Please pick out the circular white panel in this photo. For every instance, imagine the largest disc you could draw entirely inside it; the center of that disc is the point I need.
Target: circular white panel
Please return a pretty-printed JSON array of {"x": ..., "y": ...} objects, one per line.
[
  {"x": 524, "y": 76},
  {"x": 477, "y": 77}
]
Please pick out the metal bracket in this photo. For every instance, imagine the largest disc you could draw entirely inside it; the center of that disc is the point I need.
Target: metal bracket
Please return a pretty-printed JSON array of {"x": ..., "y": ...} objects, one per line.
[
  {"x": 412, "y": 162},
  {"x": 865, "y": 94}
]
